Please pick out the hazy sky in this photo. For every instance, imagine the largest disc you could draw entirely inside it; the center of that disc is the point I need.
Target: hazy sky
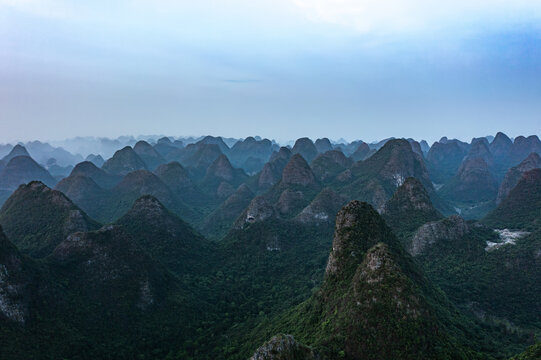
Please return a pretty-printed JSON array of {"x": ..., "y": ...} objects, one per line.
[{"x": 357, "y": 69}]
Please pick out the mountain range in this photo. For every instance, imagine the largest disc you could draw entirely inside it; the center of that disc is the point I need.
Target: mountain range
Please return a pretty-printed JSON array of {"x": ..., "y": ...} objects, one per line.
[{"x": 221, "y": 248}]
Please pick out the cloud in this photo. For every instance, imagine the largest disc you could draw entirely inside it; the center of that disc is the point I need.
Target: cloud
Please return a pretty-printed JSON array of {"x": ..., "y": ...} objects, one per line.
[{"x": 403, "y": 15}]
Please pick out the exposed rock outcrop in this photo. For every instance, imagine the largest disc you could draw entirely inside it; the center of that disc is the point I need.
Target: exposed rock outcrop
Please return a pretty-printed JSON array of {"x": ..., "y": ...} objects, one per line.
[
  {"x": 449, "y": 229},
  {"x": 283, "y": 347},
  {"x": 513, "y": 176}
]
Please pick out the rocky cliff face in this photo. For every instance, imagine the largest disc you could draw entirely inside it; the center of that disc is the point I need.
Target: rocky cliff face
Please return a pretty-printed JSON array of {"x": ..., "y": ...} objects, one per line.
[
  {"x": 513, "y": 176},
  {"x": 354, "y": 222},
  {"x": 15, "y": 282},
  {"x": 283, "y": 347},
  {"x": 374, "y": 303},
  {"x": 450, "y": 229}
]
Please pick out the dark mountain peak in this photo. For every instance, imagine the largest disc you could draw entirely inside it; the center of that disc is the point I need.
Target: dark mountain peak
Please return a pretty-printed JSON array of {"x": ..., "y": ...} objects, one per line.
[
  {"x": 165, "y": 140},
  {"x": 284, "y": 153},
  {"x": 306, "y": 148},
  {"x": 473, "y": 183},
  {"x": 251, "y": 154},
  {"x": 81, "y": 189},
  {"x": 396, "y": 161},
  {"x": 410, "y": 196},
  {"x": 172, "y": 168},
  {"x": 258, "y": 210},
  {"x": 358, "y": 228},
  {"x": 201, "y": 155},
  {"x": 142, "y": 145},
  {"x": 409, "y": 208},
  {"x": 124, "y": 161},
  {"x": 86, "y": 168},
  {"x": 323, "y": 208},
  {"x": 221, "y": 168},
  {"x": 150, "y": 156},
  {"x": 361, "y": 153},
  {"x": 329, "y": 164},
  {"x": 424, "y": 146},
  {"x": 323, "y": 145},
  {"x": 501, "y": 140},
  {"x": 520, "y": 209},
  {"x": 162, "y": 234},
  {"x": 297, "y": 172},
  {"x": 335, "y": 156},
  {"x": 523, "y": 146},
  {"x": 211, "y": 140},
  {"x": 90, "y": 170},
  {"x": 449, "y": 229},
  {"x": 416, "y": 147},
  {"x": 96, "y": 160},
  {"x": 107, "y": 260},
  {"x": 48, "y": 216},
  {"x": 513, "y": 175},
  {"x": 149, "y": 205},
  {"x": 143, "y": 180},
  {"x": 372, "y": 289},
  {"x": 480, "y": 149},
  {"x": 22, "y": 169},
  {"x": 471, "y": 165},
  {"x": 17, "y": 150},
  {"x": 272, "y": 170},
  {"x": 177, "y": 178}
]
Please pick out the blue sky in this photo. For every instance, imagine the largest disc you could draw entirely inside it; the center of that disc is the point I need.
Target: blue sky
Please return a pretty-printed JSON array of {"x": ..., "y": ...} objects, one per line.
[{"x": 357, "y": 69}]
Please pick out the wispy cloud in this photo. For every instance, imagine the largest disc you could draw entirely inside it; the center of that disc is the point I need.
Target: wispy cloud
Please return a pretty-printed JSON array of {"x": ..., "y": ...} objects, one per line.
[
  {"x": 403, "y": 15},
  {"x": 241, "y": 81}
]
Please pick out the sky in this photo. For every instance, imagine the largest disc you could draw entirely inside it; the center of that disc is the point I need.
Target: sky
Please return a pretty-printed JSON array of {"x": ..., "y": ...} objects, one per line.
[{"x": 281, "y": 69}]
